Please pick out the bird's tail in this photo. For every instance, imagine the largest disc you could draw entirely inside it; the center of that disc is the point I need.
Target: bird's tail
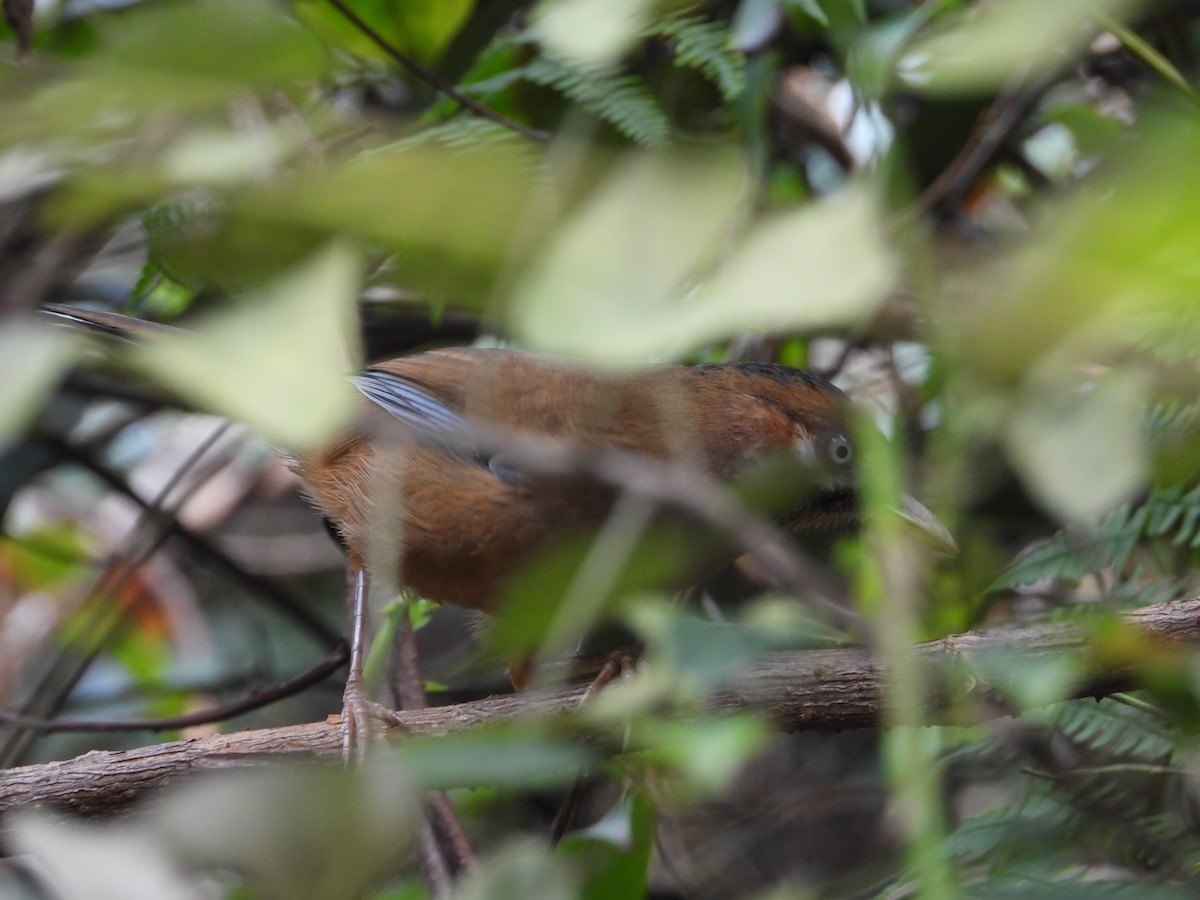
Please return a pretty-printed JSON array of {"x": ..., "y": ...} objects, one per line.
[{"x": 108, "y": 323}]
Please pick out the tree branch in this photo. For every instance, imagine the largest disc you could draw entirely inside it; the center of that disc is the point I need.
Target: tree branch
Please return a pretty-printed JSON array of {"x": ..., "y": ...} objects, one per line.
[{"x": 819, "y": 690}]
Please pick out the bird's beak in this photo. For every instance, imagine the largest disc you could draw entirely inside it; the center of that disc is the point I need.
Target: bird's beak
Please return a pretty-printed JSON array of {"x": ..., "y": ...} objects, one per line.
[{"x": 928, "y": 530}]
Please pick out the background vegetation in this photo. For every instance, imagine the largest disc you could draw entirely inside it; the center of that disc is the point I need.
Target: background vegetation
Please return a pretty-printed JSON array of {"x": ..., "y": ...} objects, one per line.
[{"x": 981, "y": 218}]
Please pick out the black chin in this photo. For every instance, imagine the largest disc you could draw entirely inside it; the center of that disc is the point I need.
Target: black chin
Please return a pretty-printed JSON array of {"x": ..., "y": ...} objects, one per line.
[{"x": 831, "y": 508}]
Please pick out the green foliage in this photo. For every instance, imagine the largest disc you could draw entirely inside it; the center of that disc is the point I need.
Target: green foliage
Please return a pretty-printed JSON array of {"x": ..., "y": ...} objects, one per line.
[
  {"x": 1108, "y": 783},
  {"x": 622, "y": 101},
  {"x": 704, "y": 45},
  {"x": 227, "y": 155},
  {"x": 1170, "y": 514}
]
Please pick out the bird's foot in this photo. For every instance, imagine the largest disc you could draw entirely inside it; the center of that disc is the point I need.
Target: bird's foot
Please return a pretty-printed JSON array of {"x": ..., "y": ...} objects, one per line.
[
  {"x": 618, "y": 664},
  {"x": 363, "y": 721}
]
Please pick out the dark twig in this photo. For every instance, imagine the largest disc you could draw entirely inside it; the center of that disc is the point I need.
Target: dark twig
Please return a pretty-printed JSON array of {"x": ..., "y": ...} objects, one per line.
[
  {"x": 275, "y": 596},
  {"x": 437, "y": 82},
  {"x": 104, "y": 615},
  {"x": 992, "y": 131},
  {"x": 256, "y": 699}
]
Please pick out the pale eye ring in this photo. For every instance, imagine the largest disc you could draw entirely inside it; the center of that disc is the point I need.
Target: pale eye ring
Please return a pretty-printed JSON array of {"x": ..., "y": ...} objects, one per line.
[{"x": 839, "y": 450}]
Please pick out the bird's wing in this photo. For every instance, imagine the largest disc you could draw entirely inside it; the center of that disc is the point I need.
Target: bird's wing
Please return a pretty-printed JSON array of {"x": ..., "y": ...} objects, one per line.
[
  {"x": 433, "y": 421},
  {"x": 453, "y": 376}
]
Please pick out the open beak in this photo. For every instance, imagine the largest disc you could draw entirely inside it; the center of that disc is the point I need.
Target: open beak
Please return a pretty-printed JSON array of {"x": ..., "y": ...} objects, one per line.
[{"x": 928, "y": 530}]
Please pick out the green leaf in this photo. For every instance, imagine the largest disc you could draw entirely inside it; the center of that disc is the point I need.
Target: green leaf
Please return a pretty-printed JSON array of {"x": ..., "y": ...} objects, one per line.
[
  {"x": 278, "y": 360},
  {"x": 620, "y": 100},
  {"x": 1081, "y": 448},
  {"x": 448, "y": 215},
  {"x": 625, "y": 278},
  {"x": 1146, "y": 52},
  {"x": 700, "y": 654},
  {"x": 174, "y": 56},
  {"x": 709, "y": 751},
  {"x": 615, "y": 852},
  {"x": 33, "y": 356},
  {"x": 500, "y": 756},
  {"x": 418, "y": 28},
  {"x": 47, "y": 555},
  {"x": 306, "y": 833},
  {"x": 520, "y": 870},
  {"x": 591, "y": 33},
  {"x": 810, "y": 8},
  {"x": 991, "y": 43},
  {"x": 705, "y": 46},
  {"x": 754, "y": 23}
]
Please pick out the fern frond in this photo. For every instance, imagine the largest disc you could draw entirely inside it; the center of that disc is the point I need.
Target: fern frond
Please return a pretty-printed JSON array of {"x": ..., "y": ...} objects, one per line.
[
  {"x": 1170, "y": 513},
  {"x": 1071, "y": 554},
  {"x": 460, "y": 131},
  {"x": 1173, "y": 419},
  {"x": 620, "y": 100},
  {"x": 704, "y": 45}
]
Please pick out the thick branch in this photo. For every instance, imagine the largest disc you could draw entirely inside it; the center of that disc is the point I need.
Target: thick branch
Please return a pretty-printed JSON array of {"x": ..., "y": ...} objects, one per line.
[{"x": 821, "y": 690}]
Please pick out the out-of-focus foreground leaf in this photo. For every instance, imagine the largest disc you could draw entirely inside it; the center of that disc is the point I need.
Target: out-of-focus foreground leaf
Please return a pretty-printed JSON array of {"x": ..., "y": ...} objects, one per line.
[
  {"x": 279, "y": 360},
  {"x": 649, "y": 266}
]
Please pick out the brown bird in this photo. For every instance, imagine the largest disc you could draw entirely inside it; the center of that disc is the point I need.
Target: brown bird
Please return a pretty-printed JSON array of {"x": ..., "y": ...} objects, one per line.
[
  {"x": 469, "y": 512},
  {"x": 472, "y": 516},
  {"x": 436, "y": 459}
]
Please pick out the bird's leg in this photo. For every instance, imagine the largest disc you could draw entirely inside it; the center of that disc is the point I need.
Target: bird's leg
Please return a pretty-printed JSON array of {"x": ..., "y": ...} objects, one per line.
[
  {"x": 361, "y": 717},
  {"x": 443, "y": 841},
  {"x": 408, "y": 685},
  {"x": 618, "y": 664}
]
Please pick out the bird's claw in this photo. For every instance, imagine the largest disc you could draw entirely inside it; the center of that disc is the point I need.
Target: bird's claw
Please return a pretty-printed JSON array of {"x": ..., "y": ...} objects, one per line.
[{"x": 363, "y": 722}]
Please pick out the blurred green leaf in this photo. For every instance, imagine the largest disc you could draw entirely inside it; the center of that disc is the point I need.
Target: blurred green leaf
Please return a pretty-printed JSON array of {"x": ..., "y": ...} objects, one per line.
[
  {"x": 1081, "y": 448},
  {"x": 1031, "y": 684},
  {"x": 520, "y": 870},
  {"x": 301, "y": 833},
  {"x": 754, "y": 24},
  {"x": 549, "y": 605},
  {"x": 173, "y": 56},
  {"x": 448, "y": 215},
  {"x": 419, "y": 28},
  {"x": 103, "y": 862},
  {"x": 810, "y": 8},
  {"x": 992, "y": 44},
  {"x": 45, "y": 556},
  {"x": 308, "y": 833},
  {"x": 451, "y": 216},
  {"x": 1146, "y": 52},
  {"x": 708, "y": 751},
  {"x": 701, "y": 654},
  {"x": 278, "y": 360},
  {"x": 33, "y": 357},
  {"x": 508, "y": 755},
  {"x": 1110, "y": 264},
  {"x": 630, "y": 277},
  {"x": 616, "y": 850},
  {"x": 591, "y": 32}
]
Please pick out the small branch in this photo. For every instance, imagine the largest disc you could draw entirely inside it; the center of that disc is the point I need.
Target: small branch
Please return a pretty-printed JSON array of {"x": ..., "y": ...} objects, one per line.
[
  {"x": 437, "y": 82},
  {"x": 821, "y": 690},
  {"x": 992, "y": 131},
  {"x": 256, "y": 699}
]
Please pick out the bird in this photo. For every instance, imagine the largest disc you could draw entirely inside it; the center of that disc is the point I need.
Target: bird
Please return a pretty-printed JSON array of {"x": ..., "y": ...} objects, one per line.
[
  {"x": 472, "y": 517},
  {"x": 434, "y": 460}
]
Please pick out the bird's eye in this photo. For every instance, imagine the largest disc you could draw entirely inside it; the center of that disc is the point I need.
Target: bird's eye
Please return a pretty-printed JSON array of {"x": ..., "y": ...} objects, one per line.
[{"x": 839, "y": 450}]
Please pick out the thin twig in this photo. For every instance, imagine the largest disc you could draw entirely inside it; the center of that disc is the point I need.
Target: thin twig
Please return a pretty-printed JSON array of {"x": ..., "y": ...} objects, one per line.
[
  {"x": 275, "y": 596},
  {"x": 992, "y": 130},
  {"x": 256, "y": 699},
  {"x": 437, "y": 82}
]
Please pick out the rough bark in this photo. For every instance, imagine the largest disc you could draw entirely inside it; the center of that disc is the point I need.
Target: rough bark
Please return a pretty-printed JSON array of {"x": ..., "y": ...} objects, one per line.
[{"x": 820, "y": 690}]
